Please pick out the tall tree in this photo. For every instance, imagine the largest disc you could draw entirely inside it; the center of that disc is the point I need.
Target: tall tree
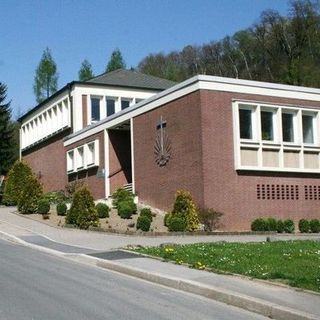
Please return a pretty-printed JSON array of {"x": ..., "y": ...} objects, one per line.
[
  {"x": 116, "y": 61},
  {"x": 46, "y": 78},
  {"x": 8, "y": 144},
  {"x": 85, "y": 72}
]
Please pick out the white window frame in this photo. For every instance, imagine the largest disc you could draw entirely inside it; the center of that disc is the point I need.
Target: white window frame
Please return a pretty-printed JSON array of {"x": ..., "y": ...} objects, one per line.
[
  {"x": 277, "y": 144},
  {"x": 82, "y": 163},
  {"x": 70, "y": 161}
]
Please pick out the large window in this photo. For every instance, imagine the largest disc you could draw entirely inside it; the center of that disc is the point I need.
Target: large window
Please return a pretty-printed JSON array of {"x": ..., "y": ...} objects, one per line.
[
  {"x": 111, "y": 103},
  {"x": 245, "y": 117},
  {"x": 95, "y": 109},
  {"x": 307, "y": 126},
  {"x": 288, "y": 127},
  {"x": 267, "y": 125},
  {"x": 125, "y": 103},
  {"x": 276, "y": 138}
]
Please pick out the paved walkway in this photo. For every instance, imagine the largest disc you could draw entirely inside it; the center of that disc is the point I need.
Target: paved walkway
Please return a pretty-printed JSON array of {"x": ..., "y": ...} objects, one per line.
[
  {"x": 98, "y": 249},
  {"x": 20, "y": 225}
]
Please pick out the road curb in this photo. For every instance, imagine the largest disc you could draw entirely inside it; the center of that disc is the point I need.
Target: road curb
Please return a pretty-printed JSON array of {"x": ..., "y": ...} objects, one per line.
[
  {"x": 242, "y": 301},
  {"x": 248, "y": 303}
]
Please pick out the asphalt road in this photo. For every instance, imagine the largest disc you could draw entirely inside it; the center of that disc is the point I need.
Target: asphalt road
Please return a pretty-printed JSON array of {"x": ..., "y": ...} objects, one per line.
[{"x": 38, "y": 286}]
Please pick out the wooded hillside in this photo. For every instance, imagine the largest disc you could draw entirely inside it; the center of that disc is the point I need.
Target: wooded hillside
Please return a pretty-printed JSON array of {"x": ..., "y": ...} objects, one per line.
[{"x": 282, "y": 49}]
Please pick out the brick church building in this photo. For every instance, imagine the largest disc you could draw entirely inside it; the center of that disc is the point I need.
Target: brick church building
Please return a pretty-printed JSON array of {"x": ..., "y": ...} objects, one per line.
[{"x": 248, "y": 149}]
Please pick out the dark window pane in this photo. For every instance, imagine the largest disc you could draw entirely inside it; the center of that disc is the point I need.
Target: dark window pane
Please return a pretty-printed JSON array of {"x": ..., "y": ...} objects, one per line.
[
  {"x": 287, "y": 127},
  {"x": 95, "y": 109},
  {"x": 266, "y": 125},
  {"x": 125, "y": 104},
  {"x": 307, "y": 125},
  {"x": 245, "y": 124},
  {"x": 110, "y": 107}
]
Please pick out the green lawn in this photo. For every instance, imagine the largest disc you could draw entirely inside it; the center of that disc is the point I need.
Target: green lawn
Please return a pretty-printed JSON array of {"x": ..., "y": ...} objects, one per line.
[{"x": 296, "y": 263}]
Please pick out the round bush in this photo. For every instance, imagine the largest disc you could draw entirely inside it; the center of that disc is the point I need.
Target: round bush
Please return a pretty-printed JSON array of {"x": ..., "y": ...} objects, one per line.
[
  {"x": 272, "y": 224},
  {"x": 146, "y": 212},
  {"x": 61, "y": 209},
  {"x": 126, "y": 209},
  {"x": 288, "y": 226},
  {"x": 121, "y": 195},
  {"x": 143, "y": 223},
  {"x": 176, "y": 224},
  {"x": 259, "y": 225},
  {"x": 315, "y": 225},
  {"x": 43, "y": 206},
  {"x": 280, "y": 226},
  {"x": 103, "y": 210},
  {"x": 304, "y": 226}
]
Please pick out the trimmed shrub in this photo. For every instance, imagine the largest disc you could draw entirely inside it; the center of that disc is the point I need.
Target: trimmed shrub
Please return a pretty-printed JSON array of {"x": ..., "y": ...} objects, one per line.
[
  {"x": 185, "y": 207},
  {"x": 176, "y": 224},
  {"x": 102, "y": 210},
  {"x": 146, "y": 212},
  {"x": 126, "y": 209},
  {"x": 30, "y": 195},
  {"x": 272, "y": 224},
  {"x": 83, "y": 212},
  {"x": 288, "y": 226},
  {"x": 121, "y": 195},
  {"x": 167, "y": 218},
  {"x": 143, "y": 223},
  {"x": 61, "y": 209},
  {"x": 15, "y": 183},
  {"x": 315, "y": 226},
  {"x": 209, "y": 218},
  {"x": 304, "y": 226},
  {"x": 43, "y": 206},
  {"x": 280, "y": 226},
  {"x": 72, "y": 187},
  {"x": 259, "y": 224}
]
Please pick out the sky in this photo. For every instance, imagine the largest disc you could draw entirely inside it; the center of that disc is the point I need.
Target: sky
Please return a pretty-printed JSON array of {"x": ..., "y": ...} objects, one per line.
[{"x": 75, "y": 30}]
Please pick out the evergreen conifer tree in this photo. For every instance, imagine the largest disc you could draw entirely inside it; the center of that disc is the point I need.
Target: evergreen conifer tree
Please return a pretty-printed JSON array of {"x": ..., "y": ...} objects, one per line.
[
  {"x": 7, "y": 133},
  {"x": 85, "y": 72},
  {"x": 46, "y": 78},
  {"x": 116, "y": 61}
]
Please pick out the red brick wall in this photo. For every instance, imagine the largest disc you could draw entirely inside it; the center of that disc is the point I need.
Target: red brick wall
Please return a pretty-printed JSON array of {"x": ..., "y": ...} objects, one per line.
[
  {"x": 119, "y": 159},
  {"x": 95, "y": 183},
  {"x": 233, "y": 193},
  {"x": 48, "y": 161},
  {"x": 157, "y": 185}
]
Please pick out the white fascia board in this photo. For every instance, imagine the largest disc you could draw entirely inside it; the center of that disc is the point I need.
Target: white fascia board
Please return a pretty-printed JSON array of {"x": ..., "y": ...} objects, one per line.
[
  {"x": 198, "y": 82},
  {"x": 258, "y": 88}
]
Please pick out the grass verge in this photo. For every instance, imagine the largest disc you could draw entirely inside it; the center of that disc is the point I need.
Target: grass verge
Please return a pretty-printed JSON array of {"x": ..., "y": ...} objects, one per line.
[{"x": 296, "y": 263}]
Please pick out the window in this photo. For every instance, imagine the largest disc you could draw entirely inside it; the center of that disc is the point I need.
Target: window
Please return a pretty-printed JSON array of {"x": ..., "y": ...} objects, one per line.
[
  {"x": 70, "y": 161},
  {"x": 245, "y": 116},
  {"x": 307, "y": 126},
  {"x": 288, "y": 127},
  {"x": 95, "y": 109},
  {"x": 125, "y": 103},
  {"x": 267, "y": 125},
  {"x": 110, "y": 106},
  {"x": 91, "y": 154},
  {"x": 139, "y": 100},
  {"x": 80, "y": 158}
]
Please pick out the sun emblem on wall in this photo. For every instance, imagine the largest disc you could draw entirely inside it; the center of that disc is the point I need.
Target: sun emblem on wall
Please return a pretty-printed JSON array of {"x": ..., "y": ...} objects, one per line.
[{"x": 162, "y": 147}]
